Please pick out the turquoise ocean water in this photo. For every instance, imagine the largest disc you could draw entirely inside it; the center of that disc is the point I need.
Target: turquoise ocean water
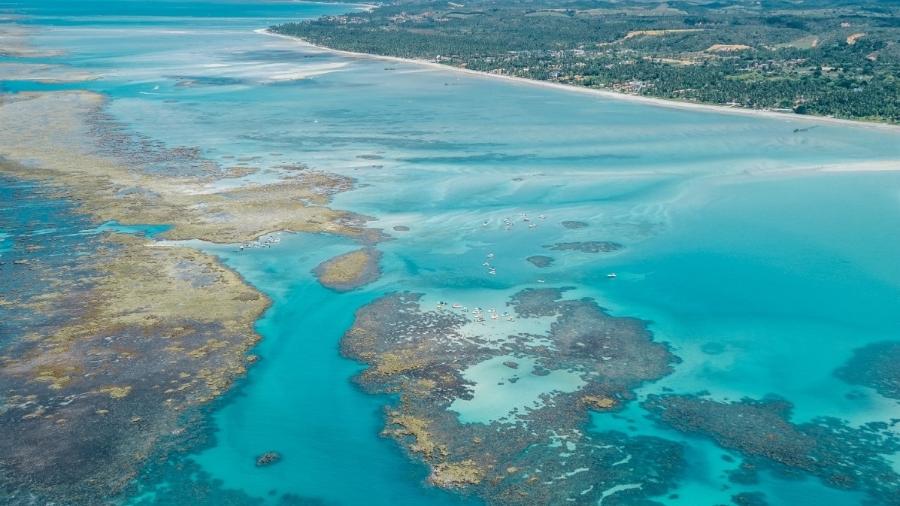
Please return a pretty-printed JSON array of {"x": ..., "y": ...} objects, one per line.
[{"x": 762, "y": 272}]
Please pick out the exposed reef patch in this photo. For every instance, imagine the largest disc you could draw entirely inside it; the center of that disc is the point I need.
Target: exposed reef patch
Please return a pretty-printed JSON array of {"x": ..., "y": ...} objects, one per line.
[
  {"x": 876, "y": 366},
  {"x": 349, "y": 271},
  {"x": 540, "y": 261},
  {"x": 586, "y": 246},
  {"x": 842, "y": 456},
  {"x": 536, "y": 453}
]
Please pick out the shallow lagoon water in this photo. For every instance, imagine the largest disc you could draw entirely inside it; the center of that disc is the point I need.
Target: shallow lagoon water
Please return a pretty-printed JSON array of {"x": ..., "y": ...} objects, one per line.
[
  {"x": 298, "y": 400},
  {"x": 5, "y": 242},
  {"x": 499, "y": 391},
  {"x": 762, "y": 274}
]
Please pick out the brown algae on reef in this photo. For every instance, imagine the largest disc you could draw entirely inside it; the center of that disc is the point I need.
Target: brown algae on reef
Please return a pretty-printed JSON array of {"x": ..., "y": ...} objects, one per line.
[{"x": 349, "y": 271}]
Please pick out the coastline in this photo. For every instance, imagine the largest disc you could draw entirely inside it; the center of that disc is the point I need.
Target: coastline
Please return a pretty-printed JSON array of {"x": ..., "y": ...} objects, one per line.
[{"x": 653, "y": 101}]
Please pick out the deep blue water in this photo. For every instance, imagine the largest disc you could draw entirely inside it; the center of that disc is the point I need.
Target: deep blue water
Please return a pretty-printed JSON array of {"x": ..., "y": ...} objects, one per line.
[{"x": 733, "y": 237}]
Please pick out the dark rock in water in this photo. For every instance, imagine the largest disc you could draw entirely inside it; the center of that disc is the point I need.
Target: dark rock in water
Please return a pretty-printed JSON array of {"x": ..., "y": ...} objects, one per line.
[
  {"x": 401, "y": 228},
  {"x": 586, "y": 246},
  {"x": 571, "y": 224},
  {"x": 540, "y": 371},
  {"x": 876, "y": 366},
  {"x": 749, "y": 499},
  {"x": 511, "y": 364},
  {"x": 267, "y": 459},
  {"x": 745, "y": 474},
  {"x": 540, "y": 260}
]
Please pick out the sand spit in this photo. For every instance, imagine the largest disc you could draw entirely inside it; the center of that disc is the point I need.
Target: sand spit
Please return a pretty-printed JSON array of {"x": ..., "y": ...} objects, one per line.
[{"x": 660, "y": 102}]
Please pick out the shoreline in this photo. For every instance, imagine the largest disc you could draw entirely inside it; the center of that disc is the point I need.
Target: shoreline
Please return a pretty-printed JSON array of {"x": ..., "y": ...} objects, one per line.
[{"x": 652, "y": 101}]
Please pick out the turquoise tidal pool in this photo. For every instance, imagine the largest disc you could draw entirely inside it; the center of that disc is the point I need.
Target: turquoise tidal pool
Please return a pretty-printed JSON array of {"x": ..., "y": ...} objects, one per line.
[{"x": 761, "y": 251}]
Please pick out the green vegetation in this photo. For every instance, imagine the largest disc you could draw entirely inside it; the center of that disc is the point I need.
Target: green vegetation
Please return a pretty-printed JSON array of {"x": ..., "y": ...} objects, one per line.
[{"x": 823, "y": 57}]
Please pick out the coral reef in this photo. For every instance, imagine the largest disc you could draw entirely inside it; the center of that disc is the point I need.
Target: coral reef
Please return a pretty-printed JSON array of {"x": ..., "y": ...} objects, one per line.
[
  {"x": 114, "y": 343},
  {"x": 540, "y": 261},
  {"x": 537, "y": 453},
  {"x": 842, "y": 456},
  {"x": 876, "y": 366},
  {"x": 586, "y": 246}
]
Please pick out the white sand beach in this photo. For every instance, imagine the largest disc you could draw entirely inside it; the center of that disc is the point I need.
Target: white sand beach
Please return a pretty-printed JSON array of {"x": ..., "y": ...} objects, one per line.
[{"x": 676, "y": 104}]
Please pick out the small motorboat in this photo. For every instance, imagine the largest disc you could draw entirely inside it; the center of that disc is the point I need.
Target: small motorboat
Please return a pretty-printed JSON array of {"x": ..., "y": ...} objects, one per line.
[{"x": 611, "y": 275}]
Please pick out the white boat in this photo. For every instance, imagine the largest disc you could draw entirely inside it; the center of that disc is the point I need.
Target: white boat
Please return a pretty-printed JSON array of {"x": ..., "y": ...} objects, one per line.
[{"x": 611, "y": 275}]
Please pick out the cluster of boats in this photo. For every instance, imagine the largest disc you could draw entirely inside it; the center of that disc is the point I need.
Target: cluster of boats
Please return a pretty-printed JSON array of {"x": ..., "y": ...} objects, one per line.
[
  {"x": 480, "y": 315},
  {"x": 491, "y": 270},
  {"x": 508, "y": 222},
  {"x": 262, "y": 242}
]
